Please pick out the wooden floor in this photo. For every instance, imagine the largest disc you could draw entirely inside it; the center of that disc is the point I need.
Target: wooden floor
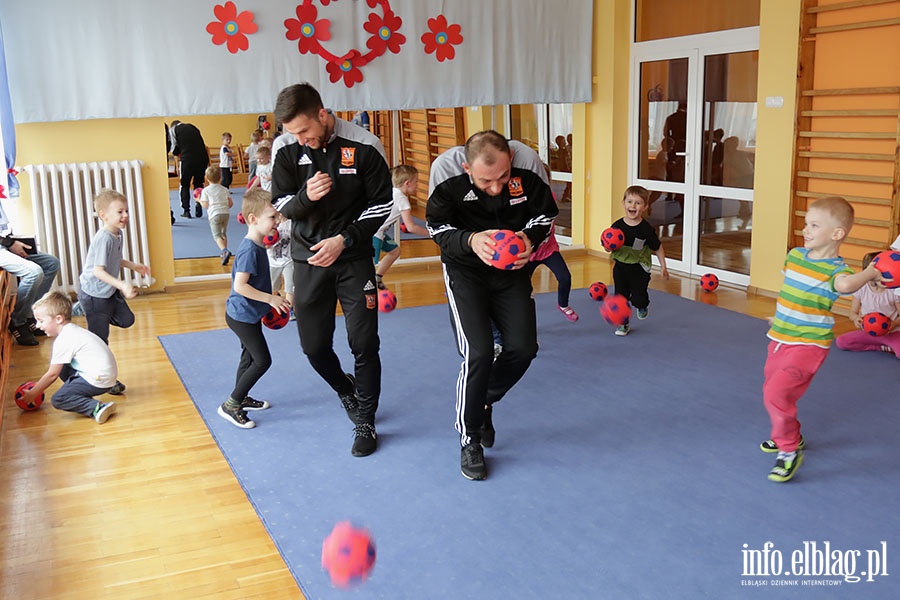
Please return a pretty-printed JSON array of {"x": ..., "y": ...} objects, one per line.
[{"x": 145, "y": 506}]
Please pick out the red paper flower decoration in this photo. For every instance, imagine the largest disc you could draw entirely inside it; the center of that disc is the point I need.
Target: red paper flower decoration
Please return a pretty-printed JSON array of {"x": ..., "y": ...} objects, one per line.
[
  {"x": 231, "y": 28},
  {"x": 384, "y": 33},
  {"x": 347, "y": 69},
  {"x": 310, "y": 32},
  {"x": 307, "y": 30},
  {"x": 441, "y": 38}
]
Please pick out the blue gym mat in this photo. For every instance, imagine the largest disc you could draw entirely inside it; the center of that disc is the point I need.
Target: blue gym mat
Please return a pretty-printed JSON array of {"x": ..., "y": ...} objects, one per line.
[{"x": 624, "y": 467}]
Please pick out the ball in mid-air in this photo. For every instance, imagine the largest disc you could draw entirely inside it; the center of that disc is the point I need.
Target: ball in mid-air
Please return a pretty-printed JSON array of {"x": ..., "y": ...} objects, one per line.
[
  {"x": 348, "y": 554},
  {"x": 387, "y": 301},
  {"x": 888, "y": 264},
  {"x": 615, "y": 310}
]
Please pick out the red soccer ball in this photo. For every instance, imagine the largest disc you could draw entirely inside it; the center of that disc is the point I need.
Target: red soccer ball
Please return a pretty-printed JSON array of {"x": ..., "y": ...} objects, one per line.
[
  {"x": 348, "y": 554},
  {"x": 275, "y": 319},
  {"x": 20, "y": 401},
  {"x": 509, "y": 247},
  {"x": 615, "y": 310},
  {"x": 240, "y": 218},
  {"x": 888, "y": 264},
  {"x": 387, "y": 301},
  {"x": 598, "y": 291},
  {"x": 709, "y": 282},
  {"x": 876, "y": 323},
  {"x": 612, "y": 238},
  {"x": 197, "y": 192},
  {"x": 403, "y": 227},
  {"x": 271, "y": 239},
  {"x": 266, "y": 125}
]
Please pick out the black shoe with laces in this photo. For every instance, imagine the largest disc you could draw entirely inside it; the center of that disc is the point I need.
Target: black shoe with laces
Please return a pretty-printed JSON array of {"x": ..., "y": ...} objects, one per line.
[
  {"x": 487, "y": 429},
  {"x": 23, "y": 335},
  {"x": 235, "y": 416},
  {"x": 35, "y": 330},
  {"x": 249, "y": 403},
  {"x": 471, "y": 462},
  {"x": 118, "y": 389},
  {"x": 365, "y": 442},
  {"x": 350, "y": 401}
]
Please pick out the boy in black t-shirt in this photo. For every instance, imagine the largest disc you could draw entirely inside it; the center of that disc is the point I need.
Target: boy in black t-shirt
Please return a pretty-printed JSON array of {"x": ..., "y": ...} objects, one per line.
[{"x": 631, "y": 271}]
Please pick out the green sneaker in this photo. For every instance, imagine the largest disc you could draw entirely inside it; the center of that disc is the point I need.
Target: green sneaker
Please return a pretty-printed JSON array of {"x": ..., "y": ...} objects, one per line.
[
  {"x": 770, "y": 447},
  {"x": 622, "y": 330},
  {"x": 786, "y": 466}
]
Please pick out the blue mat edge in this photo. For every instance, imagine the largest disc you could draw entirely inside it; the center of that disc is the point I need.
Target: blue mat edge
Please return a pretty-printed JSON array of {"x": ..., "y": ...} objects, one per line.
[{"x": 281, "y": 551}]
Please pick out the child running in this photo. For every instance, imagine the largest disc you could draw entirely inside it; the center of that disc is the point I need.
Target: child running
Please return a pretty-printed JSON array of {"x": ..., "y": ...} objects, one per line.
[
  {"x": 801, "y": 330},
  {"x": 631, "y": 271},
  {"x": 216, "y": 199},
  {"x": 250, "y": 299}
]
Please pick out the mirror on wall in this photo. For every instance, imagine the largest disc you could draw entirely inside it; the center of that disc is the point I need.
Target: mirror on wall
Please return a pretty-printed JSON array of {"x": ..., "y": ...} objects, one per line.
[{"x": 195, "y": 252}]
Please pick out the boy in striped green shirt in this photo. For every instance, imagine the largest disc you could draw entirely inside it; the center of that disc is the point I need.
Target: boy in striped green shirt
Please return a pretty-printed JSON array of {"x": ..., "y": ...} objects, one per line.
[{"x": 801, "y": 330}]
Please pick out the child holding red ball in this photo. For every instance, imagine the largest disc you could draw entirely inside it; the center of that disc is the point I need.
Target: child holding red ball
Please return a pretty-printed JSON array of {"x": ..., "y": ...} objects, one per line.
[
  {"x": 631, "y": 271},
  {"x": 873, "y": 297},
  {"x": 250, "y": 299},
  {"x": 79, "y": 358}
]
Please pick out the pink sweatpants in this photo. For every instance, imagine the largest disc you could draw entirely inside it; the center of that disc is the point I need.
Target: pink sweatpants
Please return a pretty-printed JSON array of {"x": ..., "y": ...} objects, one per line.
[
  {"x": 860, "y": 341},
  {"x": 788, "y": 372}
]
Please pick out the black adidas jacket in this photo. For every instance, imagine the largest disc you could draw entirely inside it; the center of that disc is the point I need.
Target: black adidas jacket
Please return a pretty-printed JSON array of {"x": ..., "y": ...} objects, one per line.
[
  {"x": 360, "y": 198},
  {"x": 457, "y": 209}
]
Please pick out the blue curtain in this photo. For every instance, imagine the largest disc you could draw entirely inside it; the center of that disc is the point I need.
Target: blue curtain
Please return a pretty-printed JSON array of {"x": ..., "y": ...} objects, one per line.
[{"x": 8, "y": 129}]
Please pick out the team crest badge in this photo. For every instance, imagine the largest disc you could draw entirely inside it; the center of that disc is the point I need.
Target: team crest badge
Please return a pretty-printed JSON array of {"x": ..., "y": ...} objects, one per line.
[
  {"x": 348, "y": 156},
  {"x": 515, "y": 187}
]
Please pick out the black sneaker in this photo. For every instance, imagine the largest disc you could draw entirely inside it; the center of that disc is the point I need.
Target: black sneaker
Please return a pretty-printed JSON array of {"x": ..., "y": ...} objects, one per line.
[
  {"x": 365, "y": 441},
  {"x": 249, "y": 403},
  {"x": 23, "y": 336},
  {"x": 236, "y": 416},
  {"x": 198, "y": 211},
  {"x": 379, "y": 282},
  {"x": 350, "y": 401},
  {"x": 35, "y": 330},
  {"x": 786, "y": 466},
  {"x": 472, "y": 462},
  {"x": 770, "y": 447},
  {"x": 186, "y": 214},
  {"x": 225, "y": 256},
  {"x": 487, "y": 429},
  {"x": 118, "y": 389}
]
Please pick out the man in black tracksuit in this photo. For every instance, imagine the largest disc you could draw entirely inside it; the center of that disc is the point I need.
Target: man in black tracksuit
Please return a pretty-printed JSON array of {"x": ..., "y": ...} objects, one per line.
[
  {"x": 331, "y": 179},
  {"x": 188, "y": 145},
  {"x": 489, "y": 184}
]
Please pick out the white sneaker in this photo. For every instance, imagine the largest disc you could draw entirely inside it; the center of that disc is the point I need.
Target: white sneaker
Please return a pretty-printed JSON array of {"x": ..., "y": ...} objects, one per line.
[{"x": 622, "y": 330}]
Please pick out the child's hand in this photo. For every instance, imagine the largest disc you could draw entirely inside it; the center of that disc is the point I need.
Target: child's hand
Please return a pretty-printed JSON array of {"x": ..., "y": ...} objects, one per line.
[
  {"x": 665, "y": 273},
  {"x": 770, "y": 320},
  {"x": 143, "y": 270},
  {"x": 129, "y": 291},
  {"x": 857, "y": 320},
  {"x": 29, "y": 396},
  {"x": 280, "y": 303}
]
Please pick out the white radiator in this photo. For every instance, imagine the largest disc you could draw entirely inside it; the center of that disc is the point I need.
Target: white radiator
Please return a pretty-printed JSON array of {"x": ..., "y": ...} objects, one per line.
[{"x": 62, "y": 198}]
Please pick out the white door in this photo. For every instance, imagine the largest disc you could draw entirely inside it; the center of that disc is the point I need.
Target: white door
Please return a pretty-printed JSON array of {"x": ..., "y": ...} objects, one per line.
[{"x": 692, "y": 145}]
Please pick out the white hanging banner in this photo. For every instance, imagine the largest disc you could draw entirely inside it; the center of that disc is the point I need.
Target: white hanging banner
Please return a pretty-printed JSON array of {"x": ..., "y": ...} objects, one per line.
[{"x": 86, "y": 59}]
